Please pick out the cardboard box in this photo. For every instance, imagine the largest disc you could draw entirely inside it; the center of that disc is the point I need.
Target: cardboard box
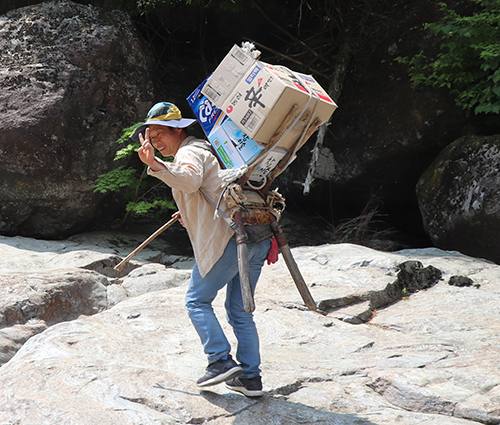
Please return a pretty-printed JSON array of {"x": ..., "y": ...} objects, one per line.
[
  {"x": 221, "y": 83},
  {"x": 207, "y": 114},
  {"x": 232, "y": 145},
  {"x": 246, "y": 147},
  {"x": 264, "y": 97},
  {"x": 271, "y": 160},
  {"x": 225, "y": 149},
  {"x": 260, "y": 99}
]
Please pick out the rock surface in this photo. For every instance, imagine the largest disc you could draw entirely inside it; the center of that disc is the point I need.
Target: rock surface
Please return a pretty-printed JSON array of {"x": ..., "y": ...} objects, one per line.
[
  {"x": 53, "y": 297},
  {"x": 430, "y": 357},
  {"x": 72, "y": 77},
  {"x": 459, "y": 197},
  {"x": 385, "y": 132}
]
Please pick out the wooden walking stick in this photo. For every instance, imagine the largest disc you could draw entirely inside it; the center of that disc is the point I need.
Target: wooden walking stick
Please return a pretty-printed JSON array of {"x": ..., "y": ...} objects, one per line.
[{"x": 122, "y": 263}]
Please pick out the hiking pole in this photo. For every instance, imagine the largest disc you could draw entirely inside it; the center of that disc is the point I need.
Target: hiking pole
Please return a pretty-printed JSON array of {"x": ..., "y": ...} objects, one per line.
[{"x": 122, "y": 263}]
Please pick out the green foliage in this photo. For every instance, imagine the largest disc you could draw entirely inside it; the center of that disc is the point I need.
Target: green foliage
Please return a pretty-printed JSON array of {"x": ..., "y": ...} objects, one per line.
[
  {"x": 128, "y": 132},
  {"x": 121, "y": 177},
  {"x": 143, "y": 198},
  {"x": 132, "y": 146},
  {"x": 468, "y": 63},
  {"x": 155, "y": 208},
  {"x": 127, "y": 150},
  {"x": 116, "y": 179}
]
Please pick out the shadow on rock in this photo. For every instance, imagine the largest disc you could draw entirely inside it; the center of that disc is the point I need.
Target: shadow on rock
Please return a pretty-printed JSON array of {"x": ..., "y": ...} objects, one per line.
[{"x": 274, "y": 408}]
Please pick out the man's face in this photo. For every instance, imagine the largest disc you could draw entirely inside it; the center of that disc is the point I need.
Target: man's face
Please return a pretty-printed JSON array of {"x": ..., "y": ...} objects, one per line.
[{"x": 167, "y": 140}]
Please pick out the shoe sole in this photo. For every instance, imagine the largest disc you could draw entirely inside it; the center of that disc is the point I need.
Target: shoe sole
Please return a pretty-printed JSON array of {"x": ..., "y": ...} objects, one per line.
[
  {"x": 230, "y": 374},
  {"x": 248, "y": 393}
]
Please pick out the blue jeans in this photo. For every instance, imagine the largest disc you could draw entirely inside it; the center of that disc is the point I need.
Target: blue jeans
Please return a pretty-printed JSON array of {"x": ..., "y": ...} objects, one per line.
[{"x": 201, "y": 293}]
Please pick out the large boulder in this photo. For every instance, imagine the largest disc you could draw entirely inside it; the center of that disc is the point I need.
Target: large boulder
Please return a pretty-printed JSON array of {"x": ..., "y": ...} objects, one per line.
[
  {"x": 459, "y": 197},
  {"x": 52, "y": 296},
  {"x": 72, "y": 77},
  {"x": 7, "y": 5}
]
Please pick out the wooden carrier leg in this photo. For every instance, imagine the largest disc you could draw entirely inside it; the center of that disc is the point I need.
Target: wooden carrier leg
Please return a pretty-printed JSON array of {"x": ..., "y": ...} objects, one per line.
[
  {"x": 244, "y": 265},
  {"x": 293, "y": 268}
]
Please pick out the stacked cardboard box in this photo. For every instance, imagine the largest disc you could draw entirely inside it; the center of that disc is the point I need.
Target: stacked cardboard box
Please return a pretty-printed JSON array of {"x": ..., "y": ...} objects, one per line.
[
  {"x": 233, "y": 146},
  {"x": 258, "y": 96},
  {"x": 245, "y": 101}
]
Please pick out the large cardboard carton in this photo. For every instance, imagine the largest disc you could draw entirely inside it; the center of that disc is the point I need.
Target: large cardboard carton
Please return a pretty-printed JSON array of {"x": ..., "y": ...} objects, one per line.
[
  {"x": 225, "y": 148},
  {"x": 246, "y": 147},
  {"x": 232, "y": 145},
  {"x": 264, "y": 98},
  {"x": 259, "y": 100},
  {"x": 207, "y": 114}
]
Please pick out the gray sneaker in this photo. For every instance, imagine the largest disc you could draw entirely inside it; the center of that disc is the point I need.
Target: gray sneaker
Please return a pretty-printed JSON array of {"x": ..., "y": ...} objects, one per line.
[
  {"x": 250, "y": 387},
  {"x": 220, "y": 371}
]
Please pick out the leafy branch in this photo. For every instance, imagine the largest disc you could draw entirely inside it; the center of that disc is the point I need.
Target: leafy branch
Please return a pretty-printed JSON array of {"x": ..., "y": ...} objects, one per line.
[
  {"x": 143, "y": 198},
  {"x": 468, "y": 63}
]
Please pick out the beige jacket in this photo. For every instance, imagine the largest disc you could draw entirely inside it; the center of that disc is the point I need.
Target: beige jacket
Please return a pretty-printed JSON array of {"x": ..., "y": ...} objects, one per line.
[{"x": 193, "y": 169}]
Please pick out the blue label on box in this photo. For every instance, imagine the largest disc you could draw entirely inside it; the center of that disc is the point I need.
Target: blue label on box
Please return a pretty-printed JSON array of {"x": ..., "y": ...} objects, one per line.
[
  {"x": 207, "y": 114},
  {"x": 253, "y": 74},
  {"x": 307, "y": 78},
  {"x": 232, "y": 144}
]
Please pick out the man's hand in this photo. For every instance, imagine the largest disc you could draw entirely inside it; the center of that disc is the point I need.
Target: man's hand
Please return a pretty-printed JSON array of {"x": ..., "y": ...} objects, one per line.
[
  {"x": 177, "y": 214},
  {"x": 147, "y": 153}
]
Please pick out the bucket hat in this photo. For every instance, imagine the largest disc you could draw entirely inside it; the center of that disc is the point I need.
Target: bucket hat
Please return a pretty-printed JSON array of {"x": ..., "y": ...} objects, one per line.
[{"x": 166, "y": 114}]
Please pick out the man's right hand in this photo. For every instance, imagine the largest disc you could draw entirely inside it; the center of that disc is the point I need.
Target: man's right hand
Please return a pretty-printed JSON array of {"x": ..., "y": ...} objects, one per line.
[
  {"x": 177, "y": 214},
  {"x": 147, "y": 153}
]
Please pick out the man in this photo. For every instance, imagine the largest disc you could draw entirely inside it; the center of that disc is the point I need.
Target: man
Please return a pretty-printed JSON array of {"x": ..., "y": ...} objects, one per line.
[{"x": 193, "y": 177}]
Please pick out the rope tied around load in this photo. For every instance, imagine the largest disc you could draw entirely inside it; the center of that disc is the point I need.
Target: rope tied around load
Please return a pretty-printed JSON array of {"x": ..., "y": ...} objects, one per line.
[{"x": 254, "y": 209}]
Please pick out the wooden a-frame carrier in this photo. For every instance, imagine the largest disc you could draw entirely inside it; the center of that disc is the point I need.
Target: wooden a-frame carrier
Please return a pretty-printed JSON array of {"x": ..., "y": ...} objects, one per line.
[{"x": 241, "y": 236}]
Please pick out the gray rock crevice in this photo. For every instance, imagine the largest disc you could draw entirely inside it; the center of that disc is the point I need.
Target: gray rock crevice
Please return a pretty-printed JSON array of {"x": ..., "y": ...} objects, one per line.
[
  {"x": 51, "y": 296},
  {"x": 412, "y": 277}
]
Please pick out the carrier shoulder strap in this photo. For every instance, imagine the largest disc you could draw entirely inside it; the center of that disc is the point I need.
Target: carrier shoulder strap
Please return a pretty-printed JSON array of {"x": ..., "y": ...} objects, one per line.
[
  {"x": 203, "y": 144},
  {"x": 228, "y": 220}
]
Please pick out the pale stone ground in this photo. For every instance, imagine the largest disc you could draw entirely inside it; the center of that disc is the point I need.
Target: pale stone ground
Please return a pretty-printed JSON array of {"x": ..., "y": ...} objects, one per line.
[{"x": 132, "y": 357}]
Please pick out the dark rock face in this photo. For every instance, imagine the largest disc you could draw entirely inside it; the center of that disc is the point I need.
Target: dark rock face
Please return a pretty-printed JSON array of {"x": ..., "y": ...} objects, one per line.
[
  {"x": 385, "y": 132},
  {"x": 7, "y": 5},
  {"x": 459, "y": 197},
  {"x": 72, "y": 78}
]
